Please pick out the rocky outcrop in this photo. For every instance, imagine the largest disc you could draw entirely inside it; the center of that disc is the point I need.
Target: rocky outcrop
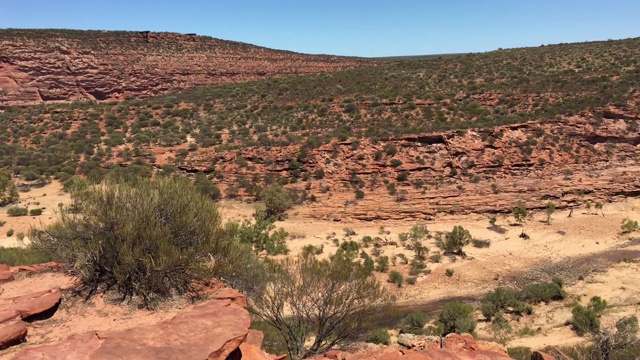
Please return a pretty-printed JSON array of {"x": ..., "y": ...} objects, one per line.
[
  {"x": 569, "y": 161},
  {"x": 214, "y": 330},
  {"x": 43, "y": 66},
  {"x": 12, "y": 333},
  {"x": 15, "y": 311},
  {"x": 33, "y": 304},
  {"x": 453, "y": 347}
]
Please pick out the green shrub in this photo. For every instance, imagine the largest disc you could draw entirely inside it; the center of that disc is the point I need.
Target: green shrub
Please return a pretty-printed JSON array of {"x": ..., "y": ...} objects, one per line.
[
  {"x": 456, "y": 317},
  {"x": 10, "y": 233},
  {"x": 320, "y": 302},
  {"x": 350, "y": 246},
  {"x": 35, "y": 212},
  {"x": 312, "y": 250},
  {"x": 629, "y": 226},
  {"x": 519, "y": 301},
  {"x": 8, "y": 191},
  {"x": 379, "y": 336},
  {"x": 24, "y": 256},
  {"x": 75, "y": 183},
  {"x": 481, "y": 243},
  {"x": 149, "y": 240},
  {"x": 17, "y": 211},
  {"x": 452, "y": 242},
  {"x": 520, "y": 353},
  {"x": 382, "y": 264},
  {"x": 411, "y": 280},
  {"x": 449, "y": 272},
  {"x": 276, "y": 201},
  {"x": 520, "y": 212},
  {"x": 541, "y": 292},
  {"x": 260, "y": 234},
  {"x": 206, "y": 187},
  {"x": 584, "y": 320},
  {"x": 414, "y": 322},
  {"x": 2, "y": 223},
  {"x": 597, "y": 304},
  {"x": 395, "y": 278}
]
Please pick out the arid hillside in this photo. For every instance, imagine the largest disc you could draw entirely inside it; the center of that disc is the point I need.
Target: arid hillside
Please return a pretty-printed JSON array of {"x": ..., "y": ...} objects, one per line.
[
  {"x": 470, "y": 133},
  {"x": 47, "y": 66}
]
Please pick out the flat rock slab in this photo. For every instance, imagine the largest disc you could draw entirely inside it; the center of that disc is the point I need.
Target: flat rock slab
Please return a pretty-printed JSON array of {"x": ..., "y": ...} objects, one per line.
[
  {"x": 33, "y": 303},
  {"x": 209, "y": 331}
]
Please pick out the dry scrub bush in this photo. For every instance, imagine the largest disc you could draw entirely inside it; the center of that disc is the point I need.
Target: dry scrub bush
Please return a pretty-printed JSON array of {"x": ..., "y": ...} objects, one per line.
[
  {"x": 333, "y": 302},
  {"x": 150, "y": 240}
]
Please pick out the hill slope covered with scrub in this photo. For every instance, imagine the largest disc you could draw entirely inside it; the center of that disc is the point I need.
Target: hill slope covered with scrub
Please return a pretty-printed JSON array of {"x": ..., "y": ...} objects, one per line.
[
  {"x": 45, "y": 66},
  {"x": 470, "y": 133}
]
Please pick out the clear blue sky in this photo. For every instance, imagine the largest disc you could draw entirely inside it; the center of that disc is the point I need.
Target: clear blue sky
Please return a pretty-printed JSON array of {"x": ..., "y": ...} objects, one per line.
[{"x": 347, "y": 27}]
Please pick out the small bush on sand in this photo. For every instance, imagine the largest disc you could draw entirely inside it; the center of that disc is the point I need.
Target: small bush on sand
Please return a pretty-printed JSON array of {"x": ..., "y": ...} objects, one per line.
[
  {"x": 395, "y": 278},
  {"x": 17, "y": 211},
  {"x": 380, "y": 336},
  {"x": 452, "y": 242}
]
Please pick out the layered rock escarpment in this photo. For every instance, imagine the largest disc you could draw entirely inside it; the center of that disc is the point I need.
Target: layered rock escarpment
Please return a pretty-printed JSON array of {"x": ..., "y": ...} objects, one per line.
[
  {"x": 43, "y": 66},
  {"x": 569, "y": 162}
]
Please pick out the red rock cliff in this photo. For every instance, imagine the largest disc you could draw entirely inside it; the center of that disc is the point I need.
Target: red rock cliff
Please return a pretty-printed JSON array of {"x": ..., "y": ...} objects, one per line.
[{"x": 39, "y": 66}]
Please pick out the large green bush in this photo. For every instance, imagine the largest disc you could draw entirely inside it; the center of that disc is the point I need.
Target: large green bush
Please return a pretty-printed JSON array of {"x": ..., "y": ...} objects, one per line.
[
  {"x": 17, "y": 211},
  {"x": 379, "y": 336},
  {"x": 457, "y": 317},
  {"x": 149, "y": 240},
  {"x": 586, "y": 319},
  {"x": 520, "y": 301},
  {"x": 414, "y": 322},
  {"x": 8, "y": 192},
  {"x": 276, "y": 201}
]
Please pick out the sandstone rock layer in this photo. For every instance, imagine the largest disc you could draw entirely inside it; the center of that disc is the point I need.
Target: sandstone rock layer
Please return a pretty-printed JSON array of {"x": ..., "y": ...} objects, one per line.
[{"x": 43, "y": 66}]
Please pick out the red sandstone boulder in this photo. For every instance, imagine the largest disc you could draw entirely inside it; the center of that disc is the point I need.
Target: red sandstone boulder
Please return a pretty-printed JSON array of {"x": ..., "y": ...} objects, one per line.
[
  {"x": 35, "y": 303},
  {"x": 255, "y": 338},
  {"x": 212, "y": 331},
  {"x": 251, "y": 352},
  {"x": 12, "y": 334}
]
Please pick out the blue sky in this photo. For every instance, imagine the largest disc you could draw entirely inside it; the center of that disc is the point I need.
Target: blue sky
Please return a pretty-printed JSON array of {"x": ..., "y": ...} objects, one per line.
[{"x": 357, "y": 27}]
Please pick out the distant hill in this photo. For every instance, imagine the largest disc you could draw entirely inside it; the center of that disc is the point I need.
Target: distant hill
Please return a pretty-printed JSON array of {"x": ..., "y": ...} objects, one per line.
[
  {"x": 39, "y": 66},
  {"x": 406, "y": 139}
]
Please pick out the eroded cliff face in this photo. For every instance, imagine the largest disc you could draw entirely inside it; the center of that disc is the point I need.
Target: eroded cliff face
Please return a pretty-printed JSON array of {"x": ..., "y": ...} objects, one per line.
[
  {"x": 42, "y": 66},
  {"x": 569, "y": 162}
]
